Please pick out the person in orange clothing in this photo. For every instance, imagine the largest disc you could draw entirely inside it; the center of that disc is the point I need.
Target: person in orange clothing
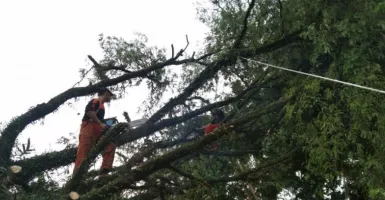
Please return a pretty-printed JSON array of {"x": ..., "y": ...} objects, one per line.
[
  {"x": 91, "y": 131},
  {"x": 217, "y": 118}
]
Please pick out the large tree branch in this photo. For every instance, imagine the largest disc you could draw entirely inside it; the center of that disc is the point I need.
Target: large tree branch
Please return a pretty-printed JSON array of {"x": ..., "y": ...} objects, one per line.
[
  {"x": 286, "y": 40},
  {"x": 151, "y": 77},
  {"x": 99, "y": 147},
  {"x": 17, "y": 125},
  {"x": 154, "y": 165},
  {"x": 166, "y": 144},
  {"x": 176, "y": 120},
  {"x": 135, "y": 159},
  {"x": 229, "y": 153},
  {"x": 56, "y": 159}
]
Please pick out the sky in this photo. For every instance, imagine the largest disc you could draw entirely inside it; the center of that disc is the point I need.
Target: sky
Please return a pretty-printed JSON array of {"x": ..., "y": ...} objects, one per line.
[{"x": 43, "y": 44}]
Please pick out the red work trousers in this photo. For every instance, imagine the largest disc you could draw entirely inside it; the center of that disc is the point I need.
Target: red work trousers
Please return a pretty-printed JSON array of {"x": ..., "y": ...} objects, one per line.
[{"x": 90, "y": 134}]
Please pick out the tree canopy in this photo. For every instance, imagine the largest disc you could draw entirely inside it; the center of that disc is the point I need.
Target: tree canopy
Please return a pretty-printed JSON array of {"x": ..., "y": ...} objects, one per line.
[{"x": 286, "y": 135}]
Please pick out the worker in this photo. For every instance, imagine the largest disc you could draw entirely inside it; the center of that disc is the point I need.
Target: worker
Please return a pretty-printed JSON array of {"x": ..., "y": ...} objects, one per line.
[
  {"x": 217, "y": 118},
  {"x": 91, "y": 130}
]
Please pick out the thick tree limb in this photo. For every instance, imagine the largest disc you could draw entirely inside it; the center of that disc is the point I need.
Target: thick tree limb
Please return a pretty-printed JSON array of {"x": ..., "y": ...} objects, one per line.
[
  {"x": 124, "y": 169},
  {"x": 123, "y": 69},
  {"x": 176, "y": 120},
  {"x": 151, "y": 166},
  {"x": 182, "y": 173},
  {"x": 286, "y": 40},
  {"x": 203, "y": 100},
  {"x": 73, "y": 184},
  {"x": 245, "y": 22},
  {"x": 56, "y": 159},
  {"x": 145, "y": 152},
  {"x": 17, "y": 125},
  {"x": 229, "y": 153}
]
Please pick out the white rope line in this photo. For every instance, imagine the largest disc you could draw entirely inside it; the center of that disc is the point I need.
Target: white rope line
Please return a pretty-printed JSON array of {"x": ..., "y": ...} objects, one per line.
[{"x": 316, "y": 76}]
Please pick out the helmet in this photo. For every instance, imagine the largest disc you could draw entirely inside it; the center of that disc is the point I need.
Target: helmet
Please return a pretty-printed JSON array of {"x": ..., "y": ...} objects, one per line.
[
  {"x": 102, "y": 90},
  {"x": 219, "y": 113}
]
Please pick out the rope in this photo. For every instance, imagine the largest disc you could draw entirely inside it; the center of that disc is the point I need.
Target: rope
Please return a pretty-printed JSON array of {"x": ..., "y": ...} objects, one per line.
[{"x": 316, "y": 76}]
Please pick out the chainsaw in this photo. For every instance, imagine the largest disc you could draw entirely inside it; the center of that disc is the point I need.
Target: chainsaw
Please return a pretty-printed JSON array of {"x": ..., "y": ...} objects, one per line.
[{"x": 109, "y": 122}]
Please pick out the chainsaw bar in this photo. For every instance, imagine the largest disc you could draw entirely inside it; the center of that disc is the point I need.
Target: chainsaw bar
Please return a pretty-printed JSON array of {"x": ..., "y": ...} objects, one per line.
[{"x": 138, "y": 122}]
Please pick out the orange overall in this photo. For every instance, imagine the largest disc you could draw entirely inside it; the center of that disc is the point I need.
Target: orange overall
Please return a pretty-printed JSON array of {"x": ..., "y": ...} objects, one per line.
[
  {"x": 90, "y": 134},
  {"x": 209, "y": 129}
]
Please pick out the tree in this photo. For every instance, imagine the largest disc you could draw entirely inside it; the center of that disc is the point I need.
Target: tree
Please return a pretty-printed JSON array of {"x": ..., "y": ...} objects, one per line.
[{"x": 310, "y": 138}]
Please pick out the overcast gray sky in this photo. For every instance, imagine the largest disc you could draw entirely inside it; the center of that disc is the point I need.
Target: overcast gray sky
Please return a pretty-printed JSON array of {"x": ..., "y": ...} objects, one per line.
[{"x": 44, "y": 43}]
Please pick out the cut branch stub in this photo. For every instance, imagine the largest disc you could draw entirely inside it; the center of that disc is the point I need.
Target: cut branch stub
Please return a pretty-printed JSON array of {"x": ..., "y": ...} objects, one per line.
[
  {"x": 15, "y": 169},
  {"x": 74, "y": 195}
]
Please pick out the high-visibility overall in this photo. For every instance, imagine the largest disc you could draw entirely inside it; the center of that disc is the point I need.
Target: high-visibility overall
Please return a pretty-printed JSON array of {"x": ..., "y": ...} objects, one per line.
[
  {"x": 90, "y": 134},
  {"x": 209, "y": 129}
]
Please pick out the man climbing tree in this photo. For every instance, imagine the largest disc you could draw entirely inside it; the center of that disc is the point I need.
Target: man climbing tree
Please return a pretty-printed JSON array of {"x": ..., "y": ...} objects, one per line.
[{"x": 91, "y": 130}]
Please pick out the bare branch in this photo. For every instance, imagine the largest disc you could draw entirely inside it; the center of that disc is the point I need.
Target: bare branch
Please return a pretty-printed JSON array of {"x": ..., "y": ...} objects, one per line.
[
  {"x": 245, "y": 22},
  {"x": 125, "y": 114},
  {"x": 199, "y": 98},
  {"x": 182, "y": 173},
  {"x": 281, "y": 16},
  {"x": 83, "y": 76},
  {"x": 188, "y": 43},
  {"x": 96, "y": 64},
  {"x": 99, "y": 69},
  {"x": 120, "y": 68},
  {"x": 172, "y": 49}
]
